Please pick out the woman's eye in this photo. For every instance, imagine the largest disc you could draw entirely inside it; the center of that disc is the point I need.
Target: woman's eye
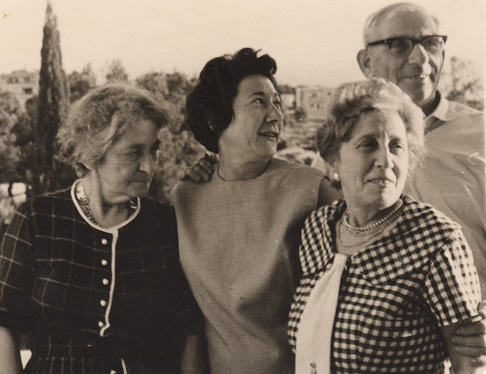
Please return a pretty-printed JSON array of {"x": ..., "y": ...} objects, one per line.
[
  {"x": 367, "y": 144},
  {"x": 260, "y": 101},
  {"x": 131, "y": 154},
  {"x": 397, "y": 145}
]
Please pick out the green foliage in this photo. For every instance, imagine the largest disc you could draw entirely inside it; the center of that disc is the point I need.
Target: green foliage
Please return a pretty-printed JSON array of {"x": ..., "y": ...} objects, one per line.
[
  {"x": 460, "y": 82},
  {"x": 81, "y": 83},
  {"x": 178, "y": 147},
  {"x": 116, "y": 72},
  {"x": 10, "y": 114},
  {"x": 49, "y": 172}
]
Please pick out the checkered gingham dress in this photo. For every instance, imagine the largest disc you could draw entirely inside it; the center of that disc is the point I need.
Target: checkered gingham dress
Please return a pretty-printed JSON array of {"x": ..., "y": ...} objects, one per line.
[{"x": 395, "y": 294}]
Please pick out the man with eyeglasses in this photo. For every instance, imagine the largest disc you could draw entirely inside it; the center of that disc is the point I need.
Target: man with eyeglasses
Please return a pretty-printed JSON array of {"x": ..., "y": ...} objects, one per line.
[{"x": 404, "y": 45}]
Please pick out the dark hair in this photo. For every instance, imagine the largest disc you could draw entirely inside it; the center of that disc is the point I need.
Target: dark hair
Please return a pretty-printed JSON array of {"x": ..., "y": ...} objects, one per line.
[
  {"x": 96, "y": 120},
  {"x": 210, "y": 105}
]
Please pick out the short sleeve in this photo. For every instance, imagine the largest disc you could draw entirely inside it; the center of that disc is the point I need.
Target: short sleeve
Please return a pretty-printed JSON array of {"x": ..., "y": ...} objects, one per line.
[
  {"x": 452, "y": 285},
  {"x": 16, "y": 269}
]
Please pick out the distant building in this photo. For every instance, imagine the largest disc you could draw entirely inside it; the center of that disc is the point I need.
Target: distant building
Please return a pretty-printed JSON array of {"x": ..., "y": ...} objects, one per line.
[
  {"x": 22, "y": 83},
  {"x": 314, "y": 100},
  {"x": 288, "y": 101}
]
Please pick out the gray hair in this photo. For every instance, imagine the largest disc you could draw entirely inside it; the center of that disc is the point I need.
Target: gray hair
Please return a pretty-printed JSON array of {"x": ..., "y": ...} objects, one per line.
[
  {"x": 352, "y": 100},
  {"x": 382, "y": 14},
  {"x": 96, "y": 120}
]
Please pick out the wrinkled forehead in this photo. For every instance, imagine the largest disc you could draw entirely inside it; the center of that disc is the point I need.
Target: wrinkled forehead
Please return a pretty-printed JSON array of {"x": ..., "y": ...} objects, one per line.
[{"x": 406, "y": 20}]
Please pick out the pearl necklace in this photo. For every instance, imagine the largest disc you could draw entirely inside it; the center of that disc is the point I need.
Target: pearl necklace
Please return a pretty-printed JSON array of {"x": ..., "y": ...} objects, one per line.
[{"x": 373, "y": 226}]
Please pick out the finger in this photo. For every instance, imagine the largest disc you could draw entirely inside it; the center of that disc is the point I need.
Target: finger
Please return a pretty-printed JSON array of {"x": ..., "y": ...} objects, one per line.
[
  {"x": 476, "y": 326},
  {"x": 473, "y": 352},
  {"x": 206, "y": 166},
  {"x": 202, "y": 173},
  {"x": 183, "y": 176},
  {"x": 212, "y": 158},
  {"x": 474, "y": 341},
  {"x": 482, "y": 308},
  {"x": 479, "y": 362},
  {"x": 193, "y": 175}
]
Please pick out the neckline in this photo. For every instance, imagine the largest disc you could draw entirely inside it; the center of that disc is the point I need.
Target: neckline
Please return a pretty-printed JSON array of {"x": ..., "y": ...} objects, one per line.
[
  {"x": 375, "y": 225},
  {"x": 267, "y": 168},
  {"x": 91, "y": 221}
]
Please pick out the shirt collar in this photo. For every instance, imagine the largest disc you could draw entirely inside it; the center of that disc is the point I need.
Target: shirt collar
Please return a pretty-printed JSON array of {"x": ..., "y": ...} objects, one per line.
[{"x": 444, "y": 111}]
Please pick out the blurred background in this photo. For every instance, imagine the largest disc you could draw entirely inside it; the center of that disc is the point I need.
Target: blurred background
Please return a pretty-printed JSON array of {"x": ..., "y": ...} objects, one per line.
[{"x": 55, "y": 51}]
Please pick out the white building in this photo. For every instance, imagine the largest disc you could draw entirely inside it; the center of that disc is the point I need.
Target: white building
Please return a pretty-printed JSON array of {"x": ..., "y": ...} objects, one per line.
[{"x": 22, "y": 83}]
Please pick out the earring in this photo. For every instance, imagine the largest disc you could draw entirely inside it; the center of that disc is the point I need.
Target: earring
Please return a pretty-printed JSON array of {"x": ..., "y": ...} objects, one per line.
[{"x": 335, "y": 177}]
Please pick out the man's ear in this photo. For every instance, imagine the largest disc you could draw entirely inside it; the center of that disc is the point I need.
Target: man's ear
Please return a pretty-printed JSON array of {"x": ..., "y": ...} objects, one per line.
[{"x": 364, "y": 62}]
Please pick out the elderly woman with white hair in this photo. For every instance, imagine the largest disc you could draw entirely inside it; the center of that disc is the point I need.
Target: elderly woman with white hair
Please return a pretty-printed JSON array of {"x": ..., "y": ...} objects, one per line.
[
  {"x": 91, "y": 273},
  {"x": 386, "y": 279}
]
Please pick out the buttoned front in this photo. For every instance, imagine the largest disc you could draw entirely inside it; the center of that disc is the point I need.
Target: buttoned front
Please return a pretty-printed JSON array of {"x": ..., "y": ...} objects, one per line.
[{"x": 63, "y": 278}]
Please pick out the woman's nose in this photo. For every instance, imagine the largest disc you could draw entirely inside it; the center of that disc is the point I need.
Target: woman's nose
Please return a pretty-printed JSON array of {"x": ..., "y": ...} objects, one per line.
[
  {"x": 383, "y": 158},
  {"x": 275, "y": 113},
  {"x": 148, "y": 164}
]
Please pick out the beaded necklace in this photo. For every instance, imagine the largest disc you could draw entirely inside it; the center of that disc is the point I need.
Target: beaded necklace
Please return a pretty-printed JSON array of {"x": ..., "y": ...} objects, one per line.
[
  {"x": 376, "y": 225},
  {"x": 84, "y": 203}
]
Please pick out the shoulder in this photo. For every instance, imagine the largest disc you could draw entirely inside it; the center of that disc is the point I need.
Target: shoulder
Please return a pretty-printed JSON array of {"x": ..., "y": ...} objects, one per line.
[
  {"x": 425, "y": 220},
  {"x": 47, "y": 202},
  {"x": 187, "y": 188},
  {"x": 464, "y": 109},
  {"x": 297, "y": 168},
  {"x": 323, "y": 218},
  {"x": 289, "y": 172},
  {"x": 153, "y": 208},
  {"x": 465, "y": 118},
  {"x": 315, "y": 250}
]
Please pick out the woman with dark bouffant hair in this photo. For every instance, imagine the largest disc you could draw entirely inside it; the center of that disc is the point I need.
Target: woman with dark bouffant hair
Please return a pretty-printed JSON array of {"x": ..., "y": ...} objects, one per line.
[{"x": 239, "y": 232}]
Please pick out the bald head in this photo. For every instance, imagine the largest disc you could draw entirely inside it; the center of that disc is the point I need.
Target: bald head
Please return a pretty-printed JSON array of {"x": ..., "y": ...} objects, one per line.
[
  {"x": 417, "y": 70},
  {"x": 390, "y": 15}
]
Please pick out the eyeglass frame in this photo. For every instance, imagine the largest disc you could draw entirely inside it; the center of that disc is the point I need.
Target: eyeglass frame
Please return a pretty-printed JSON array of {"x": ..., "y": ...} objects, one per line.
[{"x": 414, "y": 41}]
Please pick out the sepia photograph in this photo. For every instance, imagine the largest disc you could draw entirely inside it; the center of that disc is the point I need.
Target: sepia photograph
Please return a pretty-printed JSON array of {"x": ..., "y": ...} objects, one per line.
[{"x": 245, "y": 187}]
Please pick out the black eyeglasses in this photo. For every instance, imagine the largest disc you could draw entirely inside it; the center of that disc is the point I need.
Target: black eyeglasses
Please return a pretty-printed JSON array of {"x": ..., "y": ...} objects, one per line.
[{"x": 403, "y": 46}]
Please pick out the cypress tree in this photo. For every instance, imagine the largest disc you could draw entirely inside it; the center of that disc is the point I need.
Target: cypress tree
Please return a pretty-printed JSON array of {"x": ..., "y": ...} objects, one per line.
[{"x": 49, "y": 172}]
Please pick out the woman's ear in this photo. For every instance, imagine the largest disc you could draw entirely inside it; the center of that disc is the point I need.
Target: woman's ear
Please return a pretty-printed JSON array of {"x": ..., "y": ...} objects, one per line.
[
  {"x": 330, "y": 168},
  {"x": 332, "y": 173}
]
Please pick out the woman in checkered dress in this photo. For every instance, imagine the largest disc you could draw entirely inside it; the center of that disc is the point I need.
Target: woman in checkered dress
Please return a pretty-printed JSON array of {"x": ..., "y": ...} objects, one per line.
[
  {"x": 92, "y": 273},
  {"x": 386, "y": 279}
]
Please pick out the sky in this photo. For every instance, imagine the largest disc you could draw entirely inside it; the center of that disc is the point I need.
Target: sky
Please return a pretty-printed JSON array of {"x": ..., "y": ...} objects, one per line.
[{"x": 313, "y": 41}]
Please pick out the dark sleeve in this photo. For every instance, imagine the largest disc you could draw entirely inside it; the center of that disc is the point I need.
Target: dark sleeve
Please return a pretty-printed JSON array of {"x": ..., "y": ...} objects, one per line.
[
  {"x": 16, "y": 270},
  {"x": 190, "y": 313}
]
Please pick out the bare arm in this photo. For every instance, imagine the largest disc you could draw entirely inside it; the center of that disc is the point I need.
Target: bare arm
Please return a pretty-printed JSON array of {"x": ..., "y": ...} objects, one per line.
[
  {"x": 194, "y": 356},
  {"x": 9, "y": 353}
]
